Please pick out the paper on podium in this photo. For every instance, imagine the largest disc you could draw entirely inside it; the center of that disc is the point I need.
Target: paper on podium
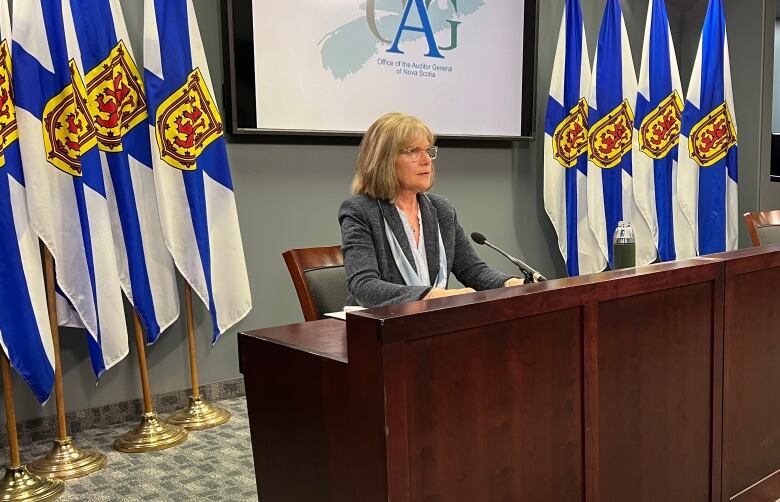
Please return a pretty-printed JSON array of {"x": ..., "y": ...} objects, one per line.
[{"x": 342, "y": 314}]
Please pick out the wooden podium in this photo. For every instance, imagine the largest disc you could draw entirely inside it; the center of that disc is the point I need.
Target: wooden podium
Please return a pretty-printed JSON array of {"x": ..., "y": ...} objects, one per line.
[{"x": 650, "y": 384}]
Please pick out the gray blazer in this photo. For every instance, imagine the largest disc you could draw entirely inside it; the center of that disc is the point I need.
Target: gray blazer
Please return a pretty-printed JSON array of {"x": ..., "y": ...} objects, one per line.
[{"x": 373, "y": 279}]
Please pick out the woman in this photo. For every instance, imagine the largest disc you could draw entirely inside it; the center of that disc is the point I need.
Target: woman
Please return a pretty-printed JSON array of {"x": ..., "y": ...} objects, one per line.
[{"x": 399, "y": 242}]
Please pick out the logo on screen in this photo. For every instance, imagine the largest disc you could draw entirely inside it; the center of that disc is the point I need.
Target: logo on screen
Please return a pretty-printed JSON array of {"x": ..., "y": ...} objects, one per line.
[
  {"x": 416, "y": 22},
  {"x": 389, "y": 26}
]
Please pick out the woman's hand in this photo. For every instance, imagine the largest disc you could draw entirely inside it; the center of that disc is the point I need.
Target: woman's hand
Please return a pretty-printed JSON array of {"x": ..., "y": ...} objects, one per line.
[
  {"x": 441, "y": 293},
  {"x": 514, "y": 281}
]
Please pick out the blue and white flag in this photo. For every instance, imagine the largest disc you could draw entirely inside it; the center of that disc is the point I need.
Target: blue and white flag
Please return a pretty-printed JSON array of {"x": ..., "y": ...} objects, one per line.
[
  {"x": 707, "y": 177},
  {"x": 610, "y": 141},
  {"x": 117, "y": 103},
  {"x": 66, "y": 192},
  {"x": 566, "y": 147},
  {"x": 191, "y": 172},
  {"x": 25, "y": 333},
  {"x": 656, "y": 137}
]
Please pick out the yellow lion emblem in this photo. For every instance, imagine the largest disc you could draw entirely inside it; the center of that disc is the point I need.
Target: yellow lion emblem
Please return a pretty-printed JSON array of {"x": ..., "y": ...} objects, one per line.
[
  {"x": 570, "y": 139},
  {"x": 186, "y": 123},
  {"x": 68, "y": 130},
  {"x": 8, "y": 130},
  {"x": 115, "y": 98},
  {"x": 612, "y": 136},
  {"x": 712, "y": 137},
  {"x": 660, "y": 129}
]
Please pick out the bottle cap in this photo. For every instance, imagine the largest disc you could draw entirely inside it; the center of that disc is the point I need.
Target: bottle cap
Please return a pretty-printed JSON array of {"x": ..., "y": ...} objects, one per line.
[{"x": 624, "y": 234}]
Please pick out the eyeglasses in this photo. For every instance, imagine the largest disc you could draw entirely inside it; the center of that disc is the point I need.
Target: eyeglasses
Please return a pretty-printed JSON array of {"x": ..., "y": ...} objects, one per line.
[{"x": 415, "y": 153}]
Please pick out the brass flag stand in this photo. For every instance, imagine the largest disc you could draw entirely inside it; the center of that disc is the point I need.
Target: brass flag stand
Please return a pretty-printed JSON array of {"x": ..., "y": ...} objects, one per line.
[
  {"x": 151, "y": 434},
  {"x": 64, "y": 461},
  {"x": 19, "y": 484},
  {"x": 198, "y": 414}
]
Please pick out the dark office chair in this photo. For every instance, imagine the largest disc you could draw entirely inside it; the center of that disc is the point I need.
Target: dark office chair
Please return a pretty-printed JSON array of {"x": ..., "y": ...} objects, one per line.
[
  {"x": 319, "y": 279},
  {"x": 764, "y": 227}
]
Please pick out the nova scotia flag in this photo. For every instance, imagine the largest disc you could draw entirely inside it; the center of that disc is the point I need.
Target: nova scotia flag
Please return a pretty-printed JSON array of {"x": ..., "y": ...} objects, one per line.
[
  {"x": 25, "y": 333},
  {"x": 66, "y": 190},
  {"x": 566, "y": 146},
  {"x": 118, "y": 105},
  {"x": 192, "y": 176},
  {"x": 707, "y": 177},
  {"x": 612, "y": 101},
  {"x": 656, "y": 137}
]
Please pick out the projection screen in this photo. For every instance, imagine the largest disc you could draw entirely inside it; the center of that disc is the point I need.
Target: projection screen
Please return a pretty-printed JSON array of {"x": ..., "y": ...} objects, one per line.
[{"x": 466, "y": 67}]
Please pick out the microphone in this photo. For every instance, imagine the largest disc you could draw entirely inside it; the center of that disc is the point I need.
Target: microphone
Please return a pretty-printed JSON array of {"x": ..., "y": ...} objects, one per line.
[{"x": 529, "y": 272}]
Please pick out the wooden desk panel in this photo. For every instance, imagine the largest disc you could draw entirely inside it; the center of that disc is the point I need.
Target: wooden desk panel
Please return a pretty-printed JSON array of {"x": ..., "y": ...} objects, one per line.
[
  {"x": 285, "y": 404},
  {"x": 655, "y": 385},
  {"x": 752, "y": 370},
  {"x": 472, "y": 400}
]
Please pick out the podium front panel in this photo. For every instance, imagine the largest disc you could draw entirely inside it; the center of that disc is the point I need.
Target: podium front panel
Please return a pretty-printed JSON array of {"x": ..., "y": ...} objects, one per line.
[
  {"x": 489, "y": 413},
  {"x": 655, "y": 388},
  {"x": 751, "y": 429}
]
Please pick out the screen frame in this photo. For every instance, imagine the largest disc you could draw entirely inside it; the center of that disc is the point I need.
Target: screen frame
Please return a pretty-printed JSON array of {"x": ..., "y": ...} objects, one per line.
[
  {"x": 237, "y": 23},
  {"x": 774, "y": 158}
]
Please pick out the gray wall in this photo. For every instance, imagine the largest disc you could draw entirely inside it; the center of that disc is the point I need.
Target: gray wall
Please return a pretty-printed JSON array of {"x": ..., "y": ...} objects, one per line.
[{"x": 288, "y": 195}]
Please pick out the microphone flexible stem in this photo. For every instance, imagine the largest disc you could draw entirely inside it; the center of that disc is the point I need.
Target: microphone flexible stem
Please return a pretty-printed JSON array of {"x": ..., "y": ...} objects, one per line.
[{"x": 529, "y": 273}]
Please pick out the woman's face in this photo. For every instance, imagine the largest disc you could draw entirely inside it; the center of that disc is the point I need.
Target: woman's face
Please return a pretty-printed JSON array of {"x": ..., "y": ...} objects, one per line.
[{"x": 414, "y": 175}]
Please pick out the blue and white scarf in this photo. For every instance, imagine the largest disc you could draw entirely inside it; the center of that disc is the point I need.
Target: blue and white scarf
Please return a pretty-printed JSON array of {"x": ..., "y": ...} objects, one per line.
[{"x": 410, "y": 276}]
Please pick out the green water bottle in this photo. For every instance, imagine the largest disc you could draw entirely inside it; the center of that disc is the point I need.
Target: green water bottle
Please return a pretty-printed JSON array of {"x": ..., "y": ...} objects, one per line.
[{"x": 624, "y": 246}]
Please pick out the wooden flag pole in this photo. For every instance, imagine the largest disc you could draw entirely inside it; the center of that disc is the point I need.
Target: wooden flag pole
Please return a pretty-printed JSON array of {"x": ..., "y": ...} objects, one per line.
[
  {"x": 198, "y": 414},
  {"x": 151, "y": 434},
  {"x": 140, "y": 342},
  {"x": 10, "y": 413},
  {"x": 194, "y": 380},
  {"x": 64, "y": 461},
  {"x": 18, "y": 482}
]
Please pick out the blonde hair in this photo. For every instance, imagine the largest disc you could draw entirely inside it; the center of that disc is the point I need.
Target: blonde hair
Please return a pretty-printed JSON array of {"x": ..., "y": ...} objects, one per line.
[{"x": 375, "y": 174}]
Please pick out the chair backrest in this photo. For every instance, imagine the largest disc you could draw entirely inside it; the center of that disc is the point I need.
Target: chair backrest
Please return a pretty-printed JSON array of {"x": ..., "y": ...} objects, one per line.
[
  {"x": 764, "y": 226},
  {"x": 319, "y": 278}
]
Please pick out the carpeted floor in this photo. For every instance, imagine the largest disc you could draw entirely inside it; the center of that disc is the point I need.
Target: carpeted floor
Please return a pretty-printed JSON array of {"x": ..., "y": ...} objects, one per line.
[{"x": 212, "y": 465}]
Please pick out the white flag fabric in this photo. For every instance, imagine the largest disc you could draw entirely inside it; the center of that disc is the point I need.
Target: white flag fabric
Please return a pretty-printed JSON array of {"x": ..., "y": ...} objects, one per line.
[
  {"x": 656, "y": 137},
  {"x": 191, "y": 172},
  {"x": 117, "y": 102},
  {"x": 708, "y": 175},
  {"x": 566, "y": 146},
  {"x": 612, "y": 101},
  {"x": 25, "y": 333},
  {"x": 66, "y": 192}
]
